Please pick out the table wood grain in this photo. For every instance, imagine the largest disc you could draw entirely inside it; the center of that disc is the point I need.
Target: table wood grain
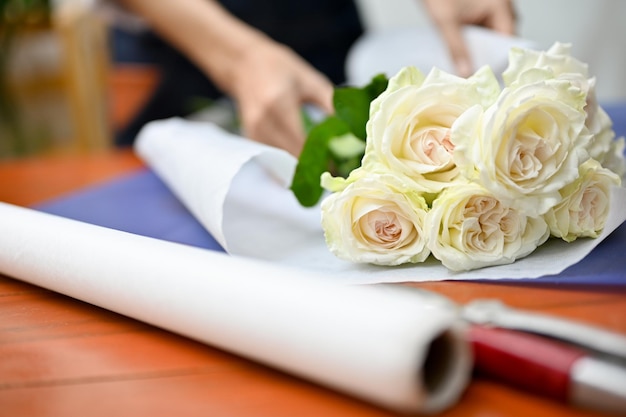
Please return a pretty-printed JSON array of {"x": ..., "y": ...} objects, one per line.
[{"x": 63, "y": 357}]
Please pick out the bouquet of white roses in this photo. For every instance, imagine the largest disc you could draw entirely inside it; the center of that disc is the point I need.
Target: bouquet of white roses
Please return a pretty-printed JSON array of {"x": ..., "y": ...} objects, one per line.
[{"x": 467, "y": 171}]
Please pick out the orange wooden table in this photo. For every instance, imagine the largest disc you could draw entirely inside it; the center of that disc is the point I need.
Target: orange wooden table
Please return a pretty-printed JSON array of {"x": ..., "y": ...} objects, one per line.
[{"x": 63, "y": 357}]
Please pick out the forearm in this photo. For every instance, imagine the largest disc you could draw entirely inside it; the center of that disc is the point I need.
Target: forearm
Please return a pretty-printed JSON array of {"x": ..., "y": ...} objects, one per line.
[
  {"x": 205, "y": 32},
  {"x": 268, "y": 81}
]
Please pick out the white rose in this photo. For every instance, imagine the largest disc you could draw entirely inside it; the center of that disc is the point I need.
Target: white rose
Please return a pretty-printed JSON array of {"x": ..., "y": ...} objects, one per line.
[
  {"x": 409, "y": 126},
  {"x": 603, "y": 135},
  {"x": 603, "y": 146},
  {"x": 407, "y": 76},
  {"x": 557, "y": 62},
  {"x": 469, "y": 228},
  {"x": 585, "y": 205},
  {"x": 598, "y": 121},
  {"x": 378, "y": 219},
  {"x": 527, "y": 146}
]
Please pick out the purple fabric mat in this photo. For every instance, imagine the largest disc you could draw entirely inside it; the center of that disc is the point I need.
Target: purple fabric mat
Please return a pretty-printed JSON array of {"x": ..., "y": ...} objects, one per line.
[
  {"x": 137, "y": 203},
  {"x": 140, "y": 203}
]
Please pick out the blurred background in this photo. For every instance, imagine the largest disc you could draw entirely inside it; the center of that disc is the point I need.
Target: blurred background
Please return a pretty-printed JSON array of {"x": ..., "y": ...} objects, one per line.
[{"x": 68, "y": 82}]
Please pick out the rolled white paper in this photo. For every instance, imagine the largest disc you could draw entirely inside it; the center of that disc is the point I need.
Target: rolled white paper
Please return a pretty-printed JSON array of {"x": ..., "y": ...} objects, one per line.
[{"x": 394, "y": 346}]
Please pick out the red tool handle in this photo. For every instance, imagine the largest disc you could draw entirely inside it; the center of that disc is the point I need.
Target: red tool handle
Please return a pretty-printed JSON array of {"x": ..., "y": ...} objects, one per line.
[{"x": 524, "y": 360}]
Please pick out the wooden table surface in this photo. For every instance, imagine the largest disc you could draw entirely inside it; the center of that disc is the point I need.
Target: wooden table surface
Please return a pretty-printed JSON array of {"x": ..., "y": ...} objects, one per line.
[{"x": 63, "y": 357}]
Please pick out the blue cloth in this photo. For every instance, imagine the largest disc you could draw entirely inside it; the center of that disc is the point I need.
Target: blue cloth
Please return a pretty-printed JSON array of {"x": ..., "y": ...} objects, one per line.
[
  {"x": 138, "y": 203},
  {"x": 617, "y": 112}
]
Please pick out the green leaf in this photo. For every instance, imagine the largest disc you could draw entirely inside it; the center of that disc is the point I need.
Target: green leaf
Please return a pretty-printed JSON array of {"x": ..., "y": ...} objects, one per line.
[
  {"x": 314, "y": 160},
  {"x": 320, "y": 154},
  {"x": 352, "y": 104},
  {"x": 376, "y": 86}
]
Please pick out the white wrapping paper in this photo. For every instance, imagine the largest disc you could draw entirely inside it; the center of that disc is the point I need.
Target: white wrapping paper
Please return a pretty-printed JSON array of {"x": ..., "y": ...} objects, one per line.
[
  {"x": 388, "y": 50},
  {"x": 238, "y": 189},
  {"x": 371, "y": 342}
]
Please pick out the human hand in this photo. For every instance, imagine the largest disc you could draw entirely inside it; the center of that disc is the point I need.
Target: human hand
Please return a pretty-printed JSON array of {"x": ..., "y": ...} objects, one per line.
[
  {"x": 270, "y": 84},
  {"x": 268, "y": 81},
  {"x": 451, "y": 15}
]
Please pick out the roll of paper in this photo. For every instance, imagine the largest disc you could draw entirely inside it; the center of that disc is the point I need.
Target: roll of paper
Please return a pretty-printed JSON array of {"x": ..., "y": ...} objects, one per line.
[{"x": 394, "y": 346}]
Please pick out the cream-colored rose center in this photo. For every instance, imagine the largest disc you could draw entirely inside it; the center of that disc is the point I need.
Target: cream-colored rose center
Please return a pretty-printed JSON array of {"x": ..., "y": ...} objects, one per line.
[
  {"x": 386, "y": 228},
  {"x": 592, "y": 207},
  {"x": 534, "y": 153},
  {"x": 486, "y": 224},
  {"x": 525, "y": 163},
  {"x": 432, "y": 146}
]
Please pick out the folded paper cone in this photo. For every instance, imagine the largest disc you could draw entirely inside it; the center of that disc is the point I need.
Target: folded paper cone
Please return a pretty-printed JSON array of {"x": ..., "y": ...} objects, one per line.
[
  {"x": 238, "y": 190},
  {"x": 394, "y": 346}
]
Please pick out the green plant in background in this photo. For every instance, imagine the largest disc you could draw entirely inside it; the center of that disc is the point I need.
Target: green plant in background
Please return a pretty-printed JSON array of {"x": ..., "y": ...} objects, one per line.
[{"x": 15, "y": 16}]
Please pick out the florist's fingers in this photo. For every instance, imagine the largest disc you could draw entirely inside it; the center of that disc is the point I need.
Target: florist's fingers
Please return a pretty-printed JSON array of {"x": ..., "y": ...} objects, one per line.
[
  {"x": 317, "y": 89},
  {"x": 503, "y": 18},
  {"x": 312, "y": 87},
  {"x": 286, "y": 120},
  {"x": 452, "y": 34},
  {"x": 448, "y": 16},
  {"x": 277, "y": 119},
  {"x": 451, "y": 15},
  {"x": 277, "y": 123}
]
